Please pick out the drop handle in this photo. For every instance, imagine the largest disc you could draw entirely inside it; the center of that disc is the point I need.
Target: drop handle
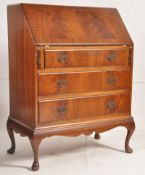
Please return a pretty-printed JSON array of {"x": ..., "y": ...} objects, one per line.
[
  {"x": 61, "y": 109},
  {"x": 111, "y": 81},
  {"x": 111, "y": 57},
  {"x": 61, "y": 83},
  {"x": 111, "y": 104},
  {"x": 62, "y": 59}
]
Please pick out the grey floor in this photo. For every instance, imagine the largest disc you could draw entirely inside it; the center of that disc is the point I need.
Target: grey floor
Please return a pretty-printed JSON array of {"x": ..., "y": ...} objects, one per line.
[{"x": 81, "y": 155}]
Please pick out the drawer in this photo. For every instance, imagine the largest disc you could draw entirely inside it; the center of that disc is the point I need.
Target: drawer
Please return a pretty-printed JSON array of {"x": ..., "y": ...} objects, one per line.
[
  {"x": 80, "y": 108},
  {"x": 86, "y": 58},
  {"x": 68, "y": 83}
]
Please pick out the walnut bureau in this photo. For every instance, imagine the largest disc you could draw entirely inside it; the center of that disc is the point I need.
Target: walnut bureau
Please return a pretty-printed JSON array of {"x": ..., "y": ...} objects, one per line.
[{"x": 70, "y": 73}]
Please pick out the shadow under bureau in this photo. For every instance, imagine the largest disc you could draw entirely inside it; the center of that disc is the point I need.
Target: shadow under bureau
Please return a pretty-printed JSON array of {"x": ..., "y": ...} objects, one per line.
[{"x": 70, "y": 73}]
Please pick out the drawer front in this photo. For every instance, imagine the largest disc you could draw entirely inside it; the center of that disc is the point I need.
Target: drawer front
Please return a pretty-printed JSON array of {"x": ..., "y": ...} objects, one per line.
[
  {"x": 86, "y": 58},
  {"x": 80, "y": 108},
  {"x": 68, "y": 83}
]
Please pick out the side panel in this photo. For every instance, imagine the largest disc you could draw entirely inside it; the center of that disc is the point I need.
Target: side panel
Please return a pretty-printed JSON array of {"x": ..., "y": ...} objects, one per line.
[{"x": 22, "y": 66}]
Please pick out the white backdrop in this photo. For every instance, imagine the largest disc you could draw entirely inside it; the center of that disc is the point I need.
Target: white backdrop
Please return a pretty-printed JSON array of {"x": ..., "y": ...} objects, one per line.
[{"x": 133, "y": 14}]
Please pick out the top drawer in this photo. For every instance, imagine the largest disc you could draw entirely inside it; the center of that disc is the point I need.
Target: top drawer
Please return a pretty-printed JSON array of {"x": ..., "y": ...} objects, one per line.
[{"x": 70, "y": 58}]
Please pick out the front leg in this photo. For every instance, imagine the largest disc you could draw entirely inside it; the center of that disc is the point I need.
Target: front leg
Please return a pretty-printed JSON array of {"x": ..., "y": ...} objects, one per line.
[
  {"x": 12, "y": 138},
  {"x": 35, "y": 142},
  {"x": 130, "y": 130},
  {"x": 97, "y": 136}
]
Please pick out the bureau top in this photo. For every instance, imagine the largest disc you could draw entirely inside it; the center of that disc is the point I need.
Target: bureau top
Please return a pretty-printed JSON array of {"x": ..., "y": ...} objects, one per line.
[{"x": 64, "y": 25}]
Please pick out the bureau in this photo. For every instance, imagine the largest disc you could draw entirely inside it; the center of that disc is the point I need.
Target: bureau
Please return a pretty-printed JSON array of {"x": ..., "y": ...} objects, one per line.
[{"x": 70, "y": 73}]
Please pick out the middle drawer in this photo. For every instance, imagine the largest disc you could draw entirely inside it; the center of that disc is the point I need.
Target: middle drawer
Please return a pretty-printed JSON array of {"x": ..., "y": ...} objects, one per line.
[{"x": 70, "y": 83}]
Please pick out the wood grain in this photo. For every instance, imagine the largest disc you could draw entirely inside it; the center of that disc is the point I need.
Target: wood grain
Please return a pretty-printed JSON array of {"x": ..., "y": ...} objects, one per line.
[
  {"x": 102, "y": 26},
  {"x": 72, "y": 83},
  {"x": 81, "y": 108},
  {"x": 86, "y": 58},
  {"x": 70, "y": 73},
  {"x": 22, "y": 61}
]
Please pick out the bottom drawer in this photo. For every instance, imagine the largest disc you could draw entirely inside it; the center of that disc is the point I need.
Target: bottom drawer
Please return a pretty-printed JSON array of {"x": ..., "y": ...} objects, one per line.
[{"x": 80, "y": 108}]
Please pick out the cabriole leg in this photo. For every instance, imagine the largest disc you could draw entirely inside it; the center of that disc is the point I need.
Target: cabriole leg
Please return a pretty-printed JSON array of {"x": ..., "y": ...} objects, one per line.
[
  {"x": 35, "y": 142},
  {"x": 130, "y": 130},
  {"x": 12, "y": 138},
  {"x": 97, "y": 136}
]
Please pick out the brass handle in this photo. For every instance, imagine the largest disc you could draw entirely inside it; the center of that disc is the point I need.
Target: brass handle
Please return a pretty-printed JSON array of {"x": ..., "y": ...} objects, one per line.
[
  {"x": 62, "y": 59},
  {"x": 111, "y": 104},
  {"x": 61, "y": 109},
  {"x": 111, "y": 57},
  {"x": 111, "y": 81},
  {"x": 61, "y": 83}
]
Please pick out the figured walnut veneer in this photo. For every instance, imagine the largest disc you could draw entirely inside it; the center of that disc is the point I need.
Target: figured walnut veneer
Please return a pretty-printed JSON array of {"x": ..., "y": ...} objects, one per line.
[{"x": 70, "y": 73}]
